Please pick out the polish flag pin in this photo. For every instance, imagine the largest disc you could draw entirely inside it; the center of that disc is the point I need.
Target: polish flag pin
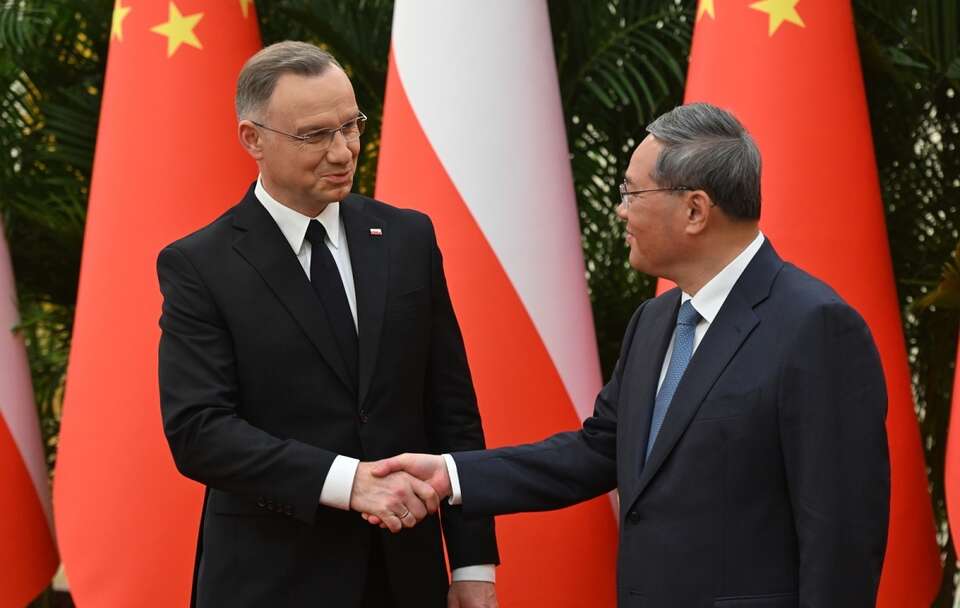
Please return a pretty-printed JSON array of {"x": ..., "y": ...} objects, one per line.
[{"x": 376, "y": 232}]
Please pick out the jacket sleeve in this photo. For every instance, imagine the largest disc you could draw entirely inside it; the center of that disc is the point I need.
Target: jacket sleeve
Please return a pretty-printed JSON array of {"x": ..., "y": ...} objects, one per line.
[
  {"x": 199, "y": 392},
  {"x": 559, "y": 471},
  {"x": 833, "y": 403},
  {"x": 452, "y": 418}
]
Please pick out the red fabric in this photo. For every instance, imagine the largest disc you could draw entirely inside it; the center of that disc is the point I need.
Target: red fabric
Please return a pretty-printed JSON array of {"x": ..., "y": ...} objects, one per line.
[
  {"x": 799, "y": 91},
  {"x": 27, "y": 552},
  {"x": 167, "y": 162},
  {"x": 563, "y": 558},
  {"x": 951, "y": 472}
]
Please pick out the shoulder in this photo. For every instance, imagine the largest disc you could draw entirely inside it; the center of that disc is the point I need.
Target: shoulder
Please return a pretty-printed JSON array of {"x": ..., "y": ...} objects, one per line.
[
  {"x": 808, "y": 303},
  {"x": 409, "y": 219},
  {"x": 217, "y": 231}
]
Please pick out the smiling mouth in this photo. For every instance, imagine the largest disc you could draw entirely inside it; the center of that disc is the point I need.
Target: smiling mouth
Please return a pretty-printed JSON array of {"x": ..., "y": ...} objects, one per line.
[{"x": 338, "y": 177}]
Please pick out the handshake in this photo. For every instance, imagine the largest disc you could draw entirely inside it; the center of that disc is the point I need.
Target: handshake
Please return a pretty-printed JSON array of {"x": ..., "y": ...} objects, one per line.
[{"x": 398, "y": 492}]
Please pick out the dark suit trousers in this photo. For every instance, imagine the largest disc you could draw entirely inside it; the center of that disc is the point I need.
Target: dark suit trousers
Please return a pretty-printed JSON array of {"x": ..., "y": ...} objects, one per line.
[{"x": 376, "y": 593}]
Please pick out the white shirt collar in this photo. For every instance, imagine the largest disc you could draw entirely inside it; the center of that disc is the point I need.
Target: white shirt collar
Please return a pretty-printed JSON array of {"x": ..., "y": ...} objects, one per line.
[
  {"x": 293, "y": 224},
  {"x": 711, "y": 296}
]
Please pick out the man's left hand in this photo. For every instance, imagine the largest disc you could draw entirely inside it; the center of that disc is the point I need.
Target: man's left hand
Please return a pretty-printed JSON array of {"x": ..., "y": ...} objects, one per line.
[{"x": 472, "y": 594}]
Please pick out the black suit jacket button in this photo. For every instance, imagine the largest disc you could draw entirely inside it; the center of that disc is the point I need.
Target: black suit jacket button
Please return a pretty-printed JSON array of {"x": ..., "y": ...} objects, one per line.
[
  {"x": 261, "y": 502},
  {"x": 633, "y": 517}
]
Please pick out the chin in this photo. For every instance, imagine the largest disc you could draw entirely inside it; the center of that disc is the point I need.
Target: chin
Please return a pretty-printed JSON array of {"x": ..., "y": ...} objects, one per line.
[{"x": 638, "y": 263}]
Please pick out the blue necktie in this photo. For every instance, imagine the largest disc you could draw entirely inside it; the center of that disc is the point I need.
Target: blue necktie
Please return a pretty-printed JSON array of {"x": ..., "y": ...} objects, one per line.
[{"x": 683, "y": 334}]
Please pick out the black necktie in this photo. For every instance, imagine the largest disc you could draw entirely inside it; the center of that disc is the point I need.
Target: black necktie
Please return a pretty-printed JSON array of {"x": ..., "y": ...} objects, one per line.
[{"x": 325, "y": 278}]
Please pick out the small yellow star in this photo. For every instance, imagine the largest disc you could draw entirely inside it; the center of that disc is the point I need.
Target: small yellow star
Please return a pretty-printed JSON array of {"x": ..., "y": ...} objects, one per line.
[
  {"x": 179, "y": 30},
  {"x": 779, "y": 11},
  {"x": 245, "y": 7},
  {"x": 706, "y": 8},
  {"x": 120, "y": 13}
]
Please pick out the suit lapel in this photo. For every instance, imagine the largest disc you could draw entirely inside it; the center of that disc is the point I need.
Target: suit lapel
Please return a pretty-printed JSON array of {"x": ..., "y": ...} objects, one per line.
[
  {"x": 646, "y": 359},
  {"x": 369, "y": 257},
  {"x": 730, "y": 328},
  {"x": 260, "y": 242}
]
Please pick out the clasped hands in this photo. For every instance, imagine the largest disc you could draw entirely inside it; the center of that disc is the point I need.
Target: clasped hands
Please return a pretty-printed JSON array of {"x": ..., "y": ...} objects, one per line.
[{"x": 398, "y": 492}]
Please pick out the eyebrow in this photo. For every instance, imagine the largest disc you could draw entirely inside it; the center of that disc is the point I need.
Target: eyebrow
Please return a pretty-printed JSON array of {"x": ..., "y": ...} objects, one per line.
[{"x": 313, "y": 127}]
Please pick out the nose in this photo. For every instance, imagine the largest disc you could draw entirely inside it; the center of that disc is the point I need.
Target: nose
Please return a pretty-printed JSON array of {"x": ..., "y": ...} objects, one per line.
[
  {"x": 622, "y": 211},
  {"x": 339, "y": 152}
]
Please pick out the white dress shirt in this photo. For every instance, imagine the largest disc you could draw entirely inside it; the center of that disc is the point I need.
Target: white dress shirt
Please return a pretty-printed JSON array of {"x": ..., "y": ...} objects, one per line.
[
  {"x": 707, "y": 302},
  {"x": 338, "y": 484}
]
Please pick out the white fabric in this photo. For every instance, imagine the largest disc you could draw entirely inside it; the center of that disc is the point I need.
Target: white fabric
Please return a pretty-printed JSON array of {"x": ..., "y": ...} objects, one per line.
[
  {"x": 293, "y": 225},
  {"x": 338, "y": 486},
  {"x": 481, "y": 78},
  {"x": 456, "y": 498},
  {"x": 711, "y": 297},
  {"x": 17, "y": 407}
]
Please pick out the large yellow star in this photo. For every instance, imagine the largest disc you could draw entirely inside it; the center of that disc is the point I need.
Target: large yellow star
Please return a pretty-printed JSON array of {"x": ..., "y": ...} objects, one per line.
[
  {"x": 120, "y": 13},
  {"x": 779, "y": 11},
  {"x": 245, "y": 7},
  {"x": 706, "y": 7},
  {"x": 179, "y": 30}
]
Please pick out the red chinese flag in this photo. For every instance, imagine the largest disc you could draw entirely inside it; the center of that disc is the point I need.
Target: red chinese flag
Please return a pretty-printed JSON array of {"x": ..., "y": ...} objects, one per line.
[
  {"x": 951, "y": 472},
  {"x": 789, "y": 69},
  {"x": 167, "y": 162}
]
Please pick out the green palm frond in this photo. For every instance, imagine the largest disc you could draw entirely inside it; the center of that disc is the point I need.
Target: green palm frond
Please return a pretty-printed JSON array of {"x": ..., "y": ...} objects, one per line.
[
  {"x": 22, "y": 24},
  {"x": 947, "y": 292},
  {"x": 620, "y": 64}
]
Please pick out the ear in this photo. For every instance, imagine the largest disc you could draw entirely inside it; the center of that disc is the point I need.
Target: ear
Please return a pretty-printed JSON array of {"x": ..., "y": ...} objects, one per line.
[
  {"x": 699, "y": 207},
  {"x": 250, "y": 139}
]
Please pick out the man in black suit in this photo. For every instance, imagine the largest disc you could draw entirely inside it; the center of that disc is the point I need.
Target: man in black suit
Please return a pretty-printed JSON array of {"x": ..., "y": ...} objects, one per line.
[
  {"x": 744, "y": 422},
  {"x": 304, "y": 330}
]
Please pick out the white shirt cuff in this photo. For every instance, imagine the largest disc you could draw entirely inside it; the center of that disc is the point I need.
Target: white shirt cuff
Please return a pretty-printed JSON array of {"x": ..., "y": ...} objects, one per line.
[
  {"x": 455, "y": 497},
  {"x": 484, "y": 573},
  {"x": 338, "y": 486}
]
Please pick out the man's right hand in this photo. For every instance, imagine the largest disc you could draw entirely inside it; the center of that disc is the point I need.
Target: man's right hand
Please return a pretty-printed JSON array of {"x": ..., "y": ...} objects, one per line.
[
  {"x": 430, "y": 468},
  {"x": 397, "y": 499}
]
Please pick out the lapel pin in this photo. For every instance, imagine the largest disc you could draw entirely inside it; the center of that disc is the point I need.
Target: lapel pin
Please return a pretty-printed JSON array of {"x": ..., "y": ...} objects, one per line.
[{"x": 376, "y": 232}]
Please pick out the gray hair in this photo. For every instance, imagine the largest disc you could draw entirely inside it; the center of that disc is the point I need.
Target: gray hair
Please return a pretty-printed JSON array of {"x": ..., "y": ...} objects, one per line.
[
  {"x": 706, "y": 148},
  {"x": 260, "y": 73}
]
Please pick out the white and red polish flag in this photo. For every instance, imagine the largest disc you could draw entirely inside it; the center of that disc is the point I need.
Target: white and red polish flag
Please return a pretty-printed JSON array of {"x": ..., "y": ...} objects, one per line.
[
  {"x": 27, "y": 551},
  {"x": 473, "y": 135}
]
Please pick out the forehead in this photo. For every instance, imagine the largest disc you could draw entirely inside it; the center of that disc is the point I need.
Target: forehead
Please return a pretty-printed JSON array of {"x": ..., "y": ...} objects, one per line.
[
  {"x": 327, "y": 96},
  {"x": 643, "y": 160}
]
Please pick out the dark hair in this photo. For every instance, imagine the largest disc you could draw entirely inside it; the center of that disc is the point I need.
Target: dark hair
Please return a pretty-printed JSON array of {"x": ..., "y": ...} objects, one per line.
[
  {"x": 260, "y": 73},
  {"x": 706, "y": 147}
]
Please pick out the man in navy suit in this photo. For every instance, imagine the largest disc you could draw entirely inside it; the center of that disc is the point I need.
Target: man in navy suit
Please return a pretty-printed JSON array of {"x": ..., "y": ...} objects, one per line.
[{"x": 744, "y": 422}]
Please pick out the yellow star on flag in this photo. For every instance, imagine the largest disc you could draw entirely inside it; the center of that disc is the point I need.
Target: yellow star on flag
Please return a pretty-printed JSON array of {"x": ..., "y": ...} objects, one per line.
[
  {"x": 779, "y": 11},
  {"x": 120, "y": 13},
  {"x": 245, "y": 7},
  {"x": 706, "y": 7},
  {"x": 179, "y": 30}
]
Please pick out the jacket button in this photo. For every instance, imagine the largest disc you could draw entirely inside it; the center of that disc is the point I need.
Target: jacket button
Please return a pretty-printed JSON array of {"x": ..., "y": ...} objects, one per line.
[
  {"x": 261, "y": 502},
  {"x": 363, "y": 417},
  {"x": 633, "y": 517}
]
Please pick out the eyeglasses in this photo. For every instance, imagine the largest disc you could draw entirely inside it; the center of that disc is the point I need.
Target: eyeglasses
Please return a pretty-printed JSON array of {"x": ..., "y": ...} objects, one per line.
[
  {"x": 321, "y": 139},
  {"x": 626, "y": 194}
]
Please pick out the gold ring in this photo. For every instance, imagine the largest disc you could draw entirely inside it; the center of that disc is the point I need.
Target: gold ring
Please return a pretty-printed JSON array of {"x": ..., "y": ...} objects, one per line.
[{"x": 404, "y": 515}]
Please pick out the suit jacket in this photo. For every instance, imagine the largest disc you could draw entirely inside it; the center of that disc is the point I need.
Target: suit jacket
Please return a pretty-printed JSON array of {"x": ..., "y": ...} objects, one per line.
[
  {"x": 768, "y": 484},
  {"x": 257, "y": 402}
]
